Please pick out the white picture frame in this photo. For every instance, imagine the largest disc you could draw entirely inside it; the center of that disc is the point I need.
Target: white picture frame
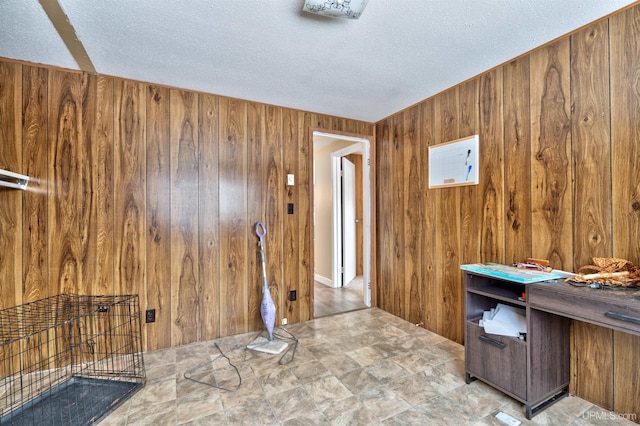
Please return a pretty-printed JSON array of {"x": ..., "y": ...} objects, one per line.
[{"x": 455, "y": 163}]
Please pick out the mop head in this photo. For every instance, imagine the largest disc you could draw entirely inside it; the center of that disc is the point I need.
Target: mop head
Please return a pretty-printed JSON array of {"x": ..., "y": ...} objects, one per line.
[{"x": 274, "y": 347}]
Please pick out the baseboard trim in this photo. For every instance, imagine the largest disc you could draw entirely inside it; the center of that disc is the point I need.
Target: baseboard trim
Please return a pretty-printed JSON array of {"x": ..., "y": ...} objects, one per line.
[{"x": 323, "y": 280}]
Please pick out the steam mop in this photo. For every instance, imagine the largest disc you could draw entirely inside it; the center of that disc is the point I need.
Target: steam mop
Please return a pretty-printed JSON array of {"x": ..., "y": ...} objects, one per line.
[{"x": 267, "y": 307}]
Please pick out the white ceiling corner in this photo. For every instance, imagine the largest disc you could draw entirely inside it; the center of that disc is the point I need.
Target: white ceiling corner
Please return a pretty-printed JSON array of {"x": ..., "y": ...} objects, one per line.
[{"x": 398, "y": 53}]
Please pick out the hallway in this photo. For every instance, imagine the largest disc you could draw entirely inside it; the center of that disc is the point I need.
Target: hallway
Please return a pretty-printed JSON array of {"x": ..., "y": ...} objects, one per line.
[{"x": 331, "y": 301}]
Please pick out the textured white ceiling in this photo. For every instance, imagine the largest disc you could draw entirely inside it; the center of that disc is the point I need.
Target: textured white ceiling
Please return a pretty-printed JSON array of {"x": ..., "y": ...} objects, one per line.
[{"x": 398, "y": 53}]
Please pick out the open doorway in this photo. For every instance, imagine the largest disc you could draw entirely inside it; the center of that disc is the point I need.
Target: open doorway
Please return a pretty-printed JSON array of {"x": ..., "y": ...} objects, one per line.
[{"x": 342, "y": 223}]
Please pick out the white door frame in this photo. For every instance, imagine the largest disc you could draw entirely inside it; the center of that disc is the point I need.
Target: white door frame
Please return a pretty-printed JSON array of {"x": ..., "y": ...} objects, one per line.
[
  {"x": 347, "y": 228},
  {"x": 361, "y": 145}
]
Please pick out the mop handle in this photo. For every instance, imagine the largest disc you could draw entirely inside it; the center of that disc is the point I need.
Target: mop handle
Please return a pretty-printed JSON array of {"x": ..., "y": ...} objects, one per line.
[{"x": 261, "y": 231}]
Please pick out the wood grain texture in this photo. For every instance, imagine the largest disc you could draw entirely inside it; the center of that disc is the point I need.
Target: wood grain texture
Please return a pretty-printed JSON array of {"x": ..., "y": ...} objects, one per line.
[
  {"x": 448, "y": 235},
  {"x": 536, "y": 145},
  {"x": 11, "y": 205},
  {"x": 592, "y": 191},
  {"x": 414, "y": 305},
  {"x": 551, "y": 195},
  {"x": 256, "y": 138},
  {"x": 430, "y": 284},
  {"x": 274, "y": 200},
  {"x": 34, "y": 164},
  {"x": 385, "y": 226},
  {"x": 468, "y": 113},
  {"x": 103, "y": 179},
  {"x": 592, "y": 370},
  {"x": 517, "y": 161},
  {"x": 129, "y": 189},
  {"x": 129, "y": 202},
  {"x": 624, "y": 31},
  {"x": 291, "y": 260},
  {"x": 626, "y": 378},
  {"x": 305, "y": 214},
  {"x": 208, "y": 216},
  {"x": 234, "y": 227},
  {"x": 158, "y": 216},
  {"x": 66, "y": 190},
  {"x": 397, "y": 197},
  {"x": 185, "y": 292},
  {"x": 591, "y": 127},
  {"x": 88, "y": 220},
  {"x": 491, "y": 187}
]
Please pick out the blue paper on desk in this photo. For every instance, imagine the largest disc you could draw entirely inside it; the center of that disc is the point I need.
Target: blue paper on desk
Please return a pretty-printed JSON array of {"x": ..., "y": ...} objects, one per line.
[{"x": 510, "y": 273}]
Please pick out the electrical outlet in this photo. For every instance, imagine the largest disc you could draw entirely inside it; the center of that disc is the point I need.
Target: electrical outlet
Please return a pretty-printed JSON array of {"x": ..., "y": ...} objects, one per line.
[
  {"x": 151, "y": 315},
  {"x": 284, "y": 321},
  {"x": 290, "y": 208},
  {"x": 292, "y": 296}
]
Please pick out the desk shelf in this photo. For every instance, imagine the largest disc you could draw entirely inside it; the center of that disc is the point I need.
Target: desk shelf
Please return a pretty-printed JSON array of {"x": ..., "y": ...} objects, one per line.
[{"x": 534, "y": 371}]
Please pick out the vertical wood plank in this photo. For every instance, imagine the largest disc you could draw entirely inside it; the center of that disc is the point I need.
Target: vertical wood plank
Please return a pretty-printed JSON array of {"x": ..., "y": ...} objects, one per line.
[
  {"x": 491, "y": 188},
  {"x": 65, "y": 178},
  {"x": 447, "y": 244},
  {"x": 305, "y": 224},
  {"x": 103, "y": 178},
  {"x": 34, "y": 163},
  {"x": 234, "y": 228},
  {"x": 256, "y": 138},
  {"x": 89, "y": 214},
  {"x": 414, "y": 305},
  {"x": 428, "y": 237},
  {"x": 274, "y": 215},
  {"x": 551, "y": 199},
  {"x": 208, "y": 216},
  {"x": 517, "y": 161},
  {"x": 591, "y": 150},
  {"x": 291, "y": 241},
  {"x": 470, "y": 234},
  {"x": 626, "y": 379},
  {"x": 384, "y": 257},
  {"x": 185, "y": 294},
  {"x": 11, "y": 206},
  {"x": 129, "y": 187},
  {"x": 592, "y": 192},
  {"x": 397, "y": 197},
  {"x": 596, "y": 362},
  {"x": 468, "y": 113},
  {"x": 624, "y": 33},
  {"x": 625, "y": 133},
  {"x": 158, "y": 216}
]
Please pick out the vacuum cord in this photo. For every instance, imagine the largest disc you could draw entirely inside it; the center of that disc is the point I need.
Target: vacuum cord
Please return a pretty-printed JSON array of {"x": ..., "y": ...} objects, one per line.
[{"x": 222, "y": 355}]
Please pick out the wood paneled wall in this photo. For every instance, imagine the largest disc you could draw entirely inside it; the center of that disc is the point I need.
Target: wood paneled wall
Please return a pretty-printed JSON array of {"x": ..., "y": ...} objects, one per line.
[
  {"x": 141, "y": 189},
  {"x": 559, "y": 179}
]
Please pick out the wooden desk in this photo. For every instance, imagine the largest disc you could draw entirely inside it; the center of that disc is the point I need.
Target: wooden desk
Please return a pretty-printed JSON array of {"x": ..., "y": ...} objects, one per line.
[{"x": 537, "y": 371}]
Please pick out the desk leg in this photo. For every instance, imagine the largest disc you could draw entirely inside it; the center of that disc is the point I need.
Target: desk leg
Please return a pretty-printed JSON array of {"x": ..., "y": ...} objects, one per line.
[
  {"x": 469, "y": 378},
  {"x": 529, "y": 411}
]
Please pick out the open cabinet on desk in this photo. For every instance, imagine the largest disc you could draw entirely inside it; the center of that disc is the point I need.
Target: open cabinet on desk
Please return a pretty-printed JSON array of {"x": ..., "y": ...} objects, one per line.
[{"x": 534, "y": 370}]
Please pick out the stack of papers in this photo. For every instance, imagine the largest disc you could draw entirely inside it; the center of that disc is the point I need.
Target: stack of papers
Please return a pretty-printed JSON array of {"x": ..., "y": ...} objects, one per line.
[{"x": 504, "y": 320}]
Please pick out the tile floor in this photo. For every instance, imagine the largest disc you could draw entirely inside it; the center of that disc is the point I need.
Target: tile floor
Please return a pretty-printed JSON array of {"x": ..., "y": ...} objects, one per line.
[{"x": 365, "y": 367}]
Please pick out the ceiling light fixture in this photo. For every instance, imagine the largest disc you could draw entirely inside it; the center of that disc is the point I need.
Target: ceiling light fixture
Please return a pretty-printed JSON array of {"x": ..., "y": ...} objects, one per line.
[{"x": 351, "y": 9}]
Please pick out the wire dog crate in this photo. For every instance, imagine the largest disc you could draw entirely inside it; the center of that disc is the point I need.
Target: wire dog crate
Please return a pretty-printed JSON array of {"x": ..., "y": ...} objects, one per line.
[{"x": 69, "y": 359}]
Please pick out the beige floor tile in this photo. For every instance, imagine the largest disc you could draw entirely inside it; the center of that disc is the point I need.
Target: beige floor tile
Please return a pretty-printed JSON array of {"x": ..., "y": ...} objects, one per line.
[{"x": 364, "y": 367}]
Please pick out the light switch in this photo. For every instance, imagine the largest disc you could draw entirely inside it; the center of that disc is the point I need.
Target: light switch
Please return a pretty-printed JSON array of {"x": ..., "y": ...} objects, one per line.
[{"x": 290, "y": 180}]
